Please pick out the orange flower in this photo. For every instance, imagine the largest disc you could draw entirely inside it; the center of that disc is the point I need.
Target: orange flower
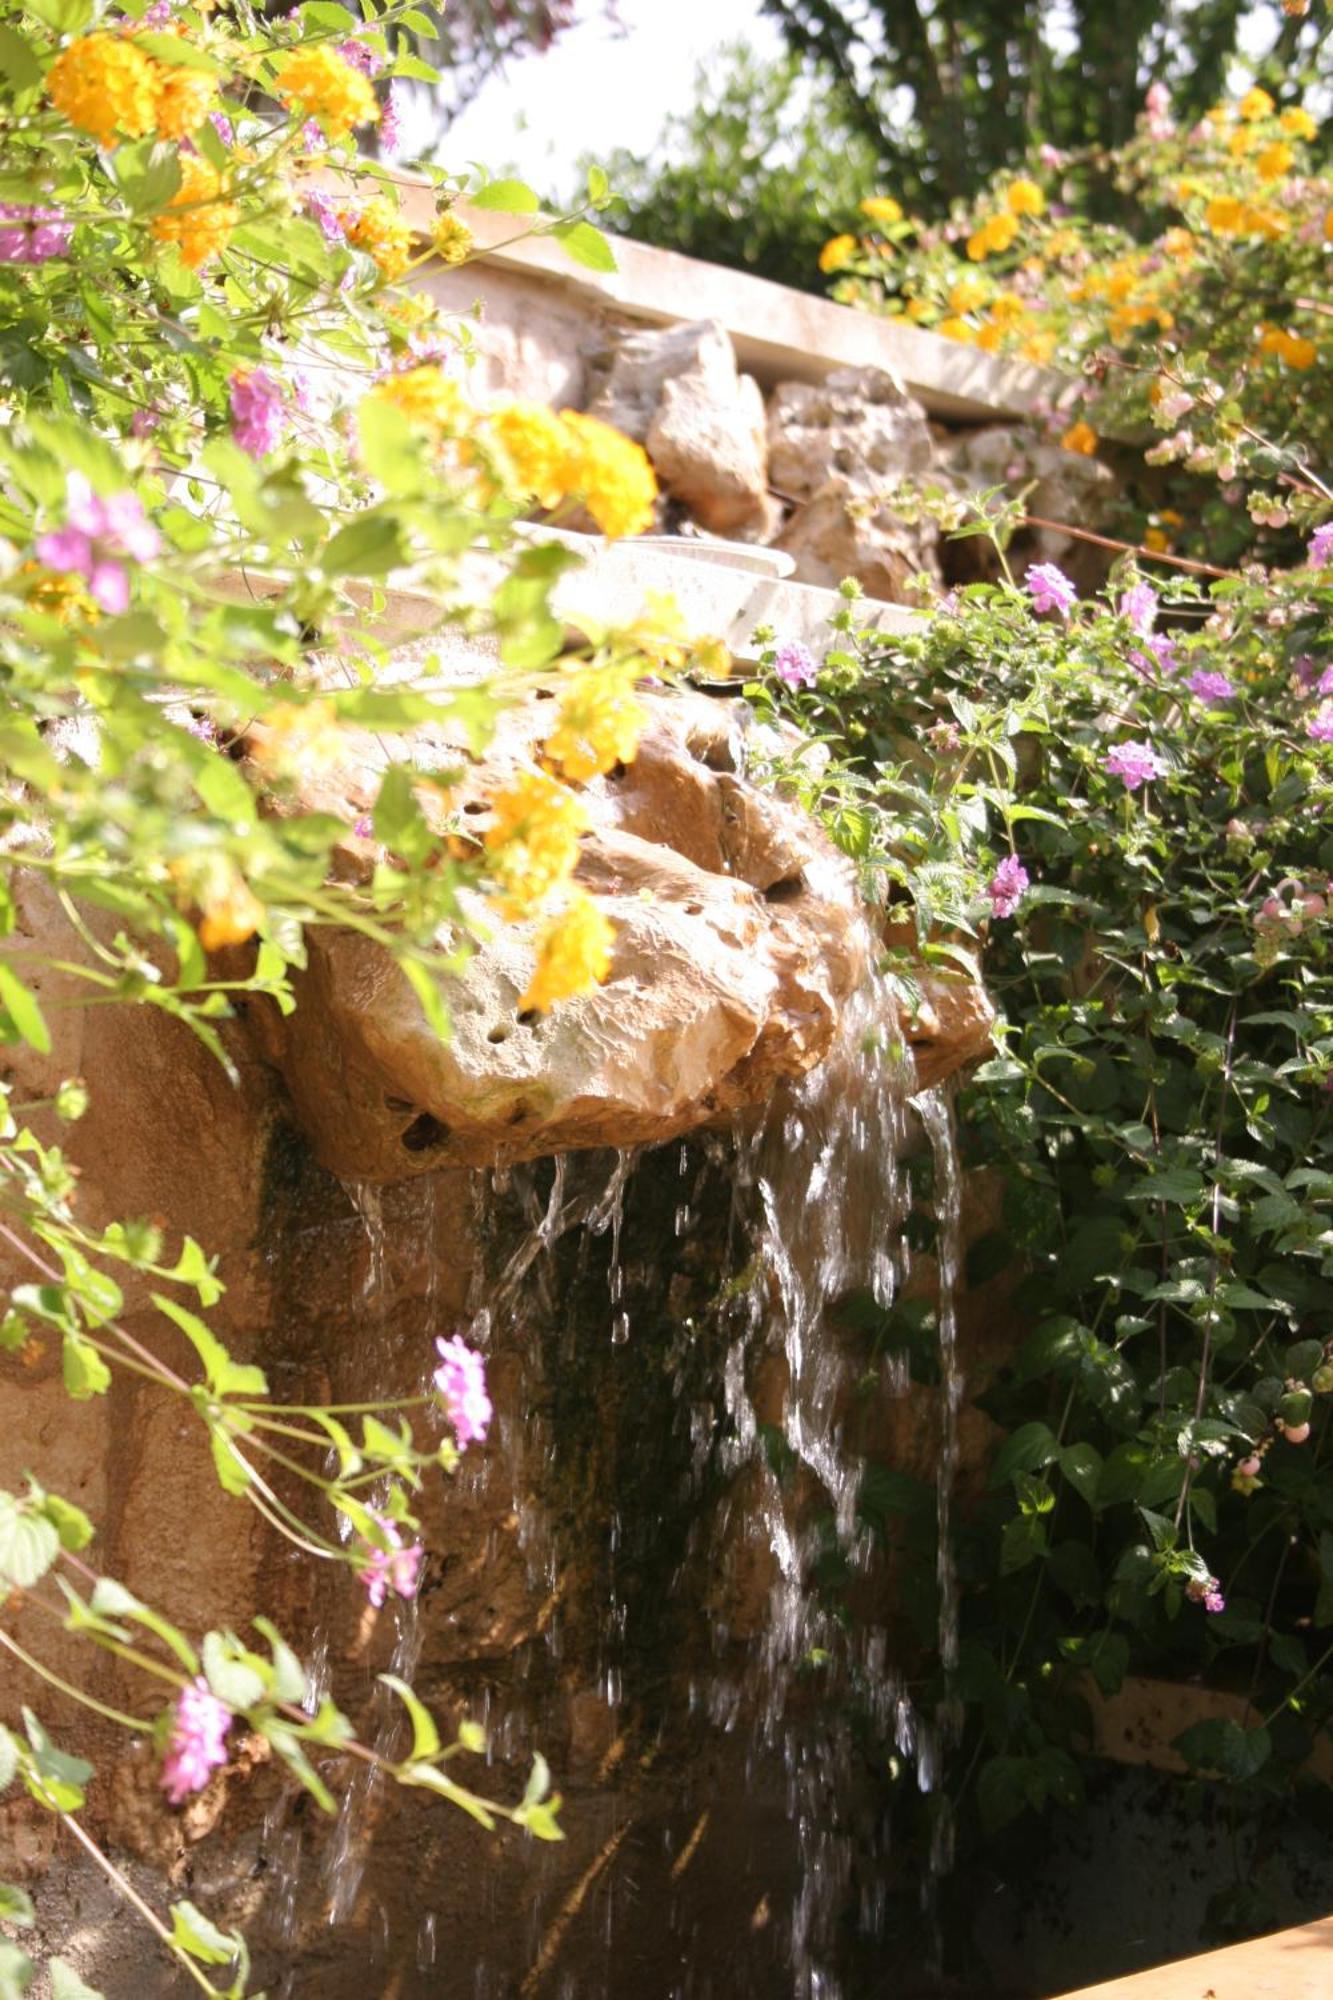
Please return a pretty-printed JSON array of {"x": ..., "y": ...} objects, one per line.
[
  {"x": 195, "y": 218},
  {"x": 1080, "y": 437}
]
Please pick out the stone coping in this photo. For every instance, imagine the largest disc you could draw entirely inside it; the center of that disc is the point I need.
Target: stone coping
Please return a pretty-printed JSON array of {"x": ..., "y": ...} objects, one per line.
[
  {"x": 1295, "y": 1964},
  {"x": 780, "y": 335},
  {"x": 1140, "y": 1722}
]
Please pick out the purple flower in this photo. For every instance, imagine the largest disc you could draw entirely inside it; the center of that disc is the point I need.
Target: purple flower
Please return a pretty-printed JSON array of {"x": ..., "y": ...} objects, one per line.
[
  {"x": 95, "y": 532},
  {"x": 360, "y": 57},
  {"x": 198, "y": 1742},
  {"x": 1321, "y": 546},
  {"x": 323, "y": 211},
  {"x": 1214, "y": 1601},
  {"x": 31, "y": 235},
  {"x": 460, "y": 1381},
  {"x": 1140, "y": 606},
  {"x": 1320, "y": 724},
  {"x": 795, "y": 664},
  {"x": 1160, "y": 657},
  {"x": 223, "y": 126},
  {"x": 1210, "y": 688},
  {"x": 258, "y": 412},
  {"x": 1136, "y": 763},
  {"x": 312, "y": 137},
  {"x": 396, "y": 1568},
  {"x": 1051, "y": 589},
  {"x": 144, "y": 422},
  {"x": 1007, "y": 886},
  {"x": 157, "y": 16},
  {"x": 391, "y": 119},
  {"x": 364, "y": 827},
  {"x": 203, "y": 727}
]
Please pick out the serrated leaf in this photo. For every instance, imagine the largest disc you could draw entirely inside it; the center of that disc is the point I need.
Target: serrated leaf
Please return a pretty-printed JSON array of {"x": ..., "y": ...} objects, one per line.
[
  {"x": 53, "y": 1777},
  {"x": 29, "y": 1544},
  {"x": 1027, "y": 1449},
  {"x": 195, "y": 1934},
  {"x": 585, "y": 244},
  {"x": 16, "y": 1905},
  {"x": 224, "y": 1376},
  {"x": 229, "y": 1673},
  {"x": 67, "y": 1985},
  {"x": 83, "y": 1371},
  {"x": 17, "y": 1971}
]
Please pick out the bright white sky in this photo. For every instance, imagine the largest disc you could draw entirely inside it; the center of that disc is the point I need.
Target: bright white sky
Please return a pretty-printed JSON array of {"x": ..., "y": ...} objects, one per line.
[{"x": 597, "y": 89}]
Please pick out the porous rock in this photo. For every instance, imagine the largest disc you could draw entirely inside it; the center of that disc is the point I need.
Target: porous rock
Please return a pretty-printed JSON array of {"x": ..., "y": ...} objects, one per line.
[{"x": 678, "y": 391}]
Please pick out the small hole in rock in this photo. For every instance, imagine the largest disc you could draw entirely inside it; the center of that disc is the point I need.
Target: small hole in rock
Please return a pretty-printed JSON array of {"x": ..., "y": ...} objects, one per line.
[
  {"x": 785, "y": 891},
  {"x": 545, "y": 694},
  {"x": 617, "y": 770},
  {"x": 500, "y": 1034},
  {"x": 528, "y": 1017},
  {"x": 475, "y": 806},
  {"x": 694, "y": 909},
  {"x": 424, "y": 1132}
]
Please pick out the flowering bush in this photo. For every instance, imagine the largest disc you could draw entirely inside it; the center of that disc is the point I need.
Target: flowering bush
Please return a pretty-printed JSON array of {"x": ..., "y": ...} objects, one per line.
[
  {"x": 1204, "y": 324},
  {"x": 208, "y": 376},
  {"x": 1124, "y": 805}
]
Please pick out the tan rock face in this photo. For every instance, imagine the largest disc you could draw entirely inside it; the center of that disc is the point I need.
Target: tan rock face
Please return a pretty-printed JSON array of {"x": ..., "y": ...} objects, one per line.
[
  {"x": 679, "y": 393},
  {"x": 841, "y": 449},
  {"x": 1065, "y": 486}
]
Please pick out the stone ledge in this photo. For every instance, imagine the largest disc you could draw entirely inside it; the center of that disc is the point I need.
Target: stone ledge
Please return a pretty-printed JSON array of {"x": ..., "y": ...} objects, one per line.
[
  {"x": 1140, "y": 1722},
  {"x": 780, "y": 335},
  {"x": 1294, "y": 1964}
]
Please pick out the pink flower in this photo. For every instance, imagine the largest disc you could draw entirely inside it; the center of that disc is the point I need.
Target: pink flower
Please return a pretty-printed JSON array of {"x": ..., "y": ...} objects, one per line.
[
  {"x": 258, "y": 412},
  {"x": 1007, "y": 886},
  {"x": 795, "y": 664},
  {"x": 943, "y": 736},
  {"x": 1320, "y": 724},
  {"x": 396, "y": 1568},
  {"x": 364, "y": 827},
  {"x": 1136, "y": 763},
  {"x": 391, "y": 119},
  {"x": 1210, "y": 688},
  {"x": 95, "y": 532},
  {"x": 1214, "y": 1601},
  {"x": 460, "y": 1381},
  {"x": 31, "y": 235},
  {"x": 1140, "y": 605},
  {"x": 322, "y": 210},
  {"x": 1050, "y": 156},
  {"x": 197, "y": 1746},
  {"x": 1321, "y": 546},
  {"x": 1050, "y": 589},
  {"x": 368, "y": 61},
  {"x": 223, "y": 126}
]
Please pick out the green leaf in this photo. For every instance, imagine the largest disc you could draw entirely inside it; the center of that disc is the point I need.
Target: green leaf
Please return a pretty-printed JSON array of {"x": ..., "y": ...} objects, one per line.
[
  {"x": 1081, "y": 1465},
  {"x": 288, "y": 1673},
  {"x": 425, "y": 1736},
  {"x": 194, "y": 1933},
  {"x": 233, "y": 1474},
  {"x": 391, "y": 447},
  {"x": 22, "y": 1009},
  {"x": 111, "y": 1600},
  {"x": 178, "y": 52},
  {"x": 18, "y": 65},
  {"x": 148, "y": 174},
  {"x": 29, "y": 1543},
  {"x": 585, "y": 244},
  {"x": 17, "y": 1971},
  {"x": 507, "y": 197},
  {"x": 289, "y": 1747},
  {"x": 370, "y": 545},
  {"x": 9, "y": 1759},
  {"x": 424, "y": 984},
  {"x": 71, "y": 1523},
  {"x": 224, "y": 1376},
  {"x": 67, "y": 17},
  {"x": 53, "y": 1777},
  {"x": 67, "y": 1985},
  {"x": 1223, "y": 1746},
  {"x": 82, "y": 1368},
  {"x": 1028, "y": 1449},
  {"x": 599, "y": 188},
  {"x": 16, "y": 1906},
  {"x": 429, "y": 1777},
  {"x": 229, "y": 1673}
]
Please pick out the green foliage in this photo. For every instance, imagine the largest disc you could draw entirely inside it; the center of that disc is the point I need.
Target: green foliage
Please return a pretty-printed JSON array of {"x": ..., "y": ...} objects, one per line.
[{"x": 1158, "y": 1118}]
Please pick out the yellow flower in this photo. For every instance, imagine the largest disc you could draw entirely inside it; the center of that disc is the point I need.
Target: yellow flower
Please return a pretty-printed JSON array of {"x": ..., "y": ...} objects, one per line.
[
  {"x": 1293, "y": 348},
  {"x": 994, "y": 235},
  {"x": 611, "y": 475},
  {"x": 573, "y": 955},
  {"x": 712, "y": 659},
  {"x": 1256, "y": 103},
  {"x": 600, "y": 723},
  {"x": 1275, "y": 161},
  {"x": 1225, "y": 215},
  {"x": 1178, "y": 243},
  {"x": 1038, "y": 347},
  {"x": 318, "y": 83},
  {"x": 426, "y": 395},
  {"x": 957, "y": 329},
  {"x": 1063, "y": 243},
  {"x": 1009, "y": 310},
  {"x": 231, "y": 912},
  {"x": 837, "y": 252},
  {"x": 971, "y": 291},
  {"x": 538, "y": 446},
  {"x": 382, "y": 233},
  {"x": 1328, "y": 225},
  {"x": 1297, "y": 123},
  {"x": 451, "y": 238},
  {"x": 533, "y": 840},
  {"x": 658, "y": 630},
  {"x": 60, "y": 594},
  {"x": 104, "y": 86},
  {"x": 1241, "y": 142},
  {"x": 990, "y": 337},
  {"x": 195, "y": 218},
  {"x": 184, "y": 98},
  {"x": 1153, "y": 538},
  {"x": 882, "y": 208},
  {"x": 1080, "y": 437},
  {"x": 920, "y": 310},
  {"x": 297, "y": 739},
  {"x": 1025, "y": 198}
]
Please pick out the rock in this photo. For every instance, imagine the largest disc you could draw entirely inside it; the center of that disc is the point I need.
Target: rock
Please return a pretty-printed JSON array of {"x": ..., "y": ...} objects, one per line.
[
  {"x": 858, "y": 424},
  {"x": 950, "y": 1027},
  {"x": 677, "y": 390},
  {"x": 739, "y": 935},
  {"x": 842, "y": 449},
  {"x": 1066, "y": 486}
]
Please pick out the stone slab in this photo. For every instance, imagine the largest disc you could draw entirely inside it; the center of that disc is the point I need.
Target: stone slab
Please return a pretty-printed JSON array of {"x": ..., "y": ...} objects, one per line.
[{"x": 1290, "y": 1965}]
